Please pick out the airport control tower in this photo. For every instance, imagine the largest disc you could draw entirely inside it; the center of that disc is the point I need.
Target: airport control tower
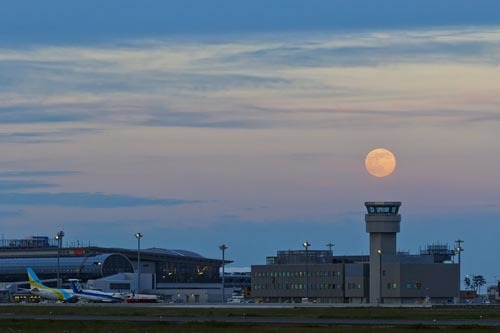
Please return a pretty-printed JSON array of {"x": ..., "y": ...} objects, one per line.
[{"x": 382, "y": 223}]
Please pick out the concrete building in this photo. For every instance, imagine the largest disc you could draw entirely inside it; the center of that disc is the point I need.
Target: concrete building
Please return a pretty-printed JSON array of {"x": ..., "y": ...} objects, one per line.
[{"x": 383, "y": 276}]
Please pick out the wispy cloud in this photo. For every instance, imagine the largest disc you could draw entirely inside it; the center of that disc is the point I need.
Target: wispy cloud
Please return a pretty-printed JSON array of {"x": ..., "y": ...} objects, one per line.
[
  {"x": 378, "y": 52},
  {"x": 36, "y": 114},
  {"x": 235, "y": 83},
  {"x": 86, "y": 200},
  {"x": 37, "y": 173},
  {"x": 58, "y": 136},
  {"x": 9, "y": 185},
  {"x": 11, "y": 213}
]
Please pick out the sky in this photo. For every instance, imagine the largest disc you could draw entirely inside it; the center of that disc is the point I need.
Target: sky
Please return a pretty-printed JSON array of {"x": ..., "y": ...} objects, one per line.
[{"x": 199, "y": 123}]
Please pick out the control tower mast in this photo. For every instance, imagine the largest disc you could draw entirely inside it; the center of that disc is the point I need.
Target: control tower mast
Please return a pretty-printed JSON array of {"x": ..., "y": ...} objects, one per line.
[{"x": 382, "y": 223}]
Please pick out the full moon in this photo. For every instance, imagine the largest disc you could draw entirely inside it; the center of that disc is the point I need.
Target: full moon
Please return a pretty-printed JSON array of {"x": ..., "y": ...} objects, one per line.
[{"x": 380, "y": 162}]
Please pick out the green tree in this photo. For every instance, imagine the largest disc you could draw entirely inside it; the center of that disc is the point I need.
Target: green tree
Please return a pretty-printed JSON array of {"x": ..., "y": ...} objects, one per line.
[
  {"x": 477, "y": 282},
  {"x": 467, "y": 283}
]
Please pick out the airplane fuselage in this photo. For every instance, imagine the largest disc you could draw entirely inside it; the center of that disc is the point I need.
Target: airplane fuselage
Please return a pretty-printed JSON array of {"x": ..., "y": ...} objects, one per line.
[{"x": 97, "y": 296}]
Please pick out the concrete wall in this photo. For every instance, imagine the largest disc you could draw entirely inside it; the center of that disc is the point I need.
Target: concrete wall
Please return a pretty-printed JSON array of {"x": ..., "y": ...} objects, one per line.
[
  {"x": 356, "y": 282},
  {"x": 435, "y": 280}
]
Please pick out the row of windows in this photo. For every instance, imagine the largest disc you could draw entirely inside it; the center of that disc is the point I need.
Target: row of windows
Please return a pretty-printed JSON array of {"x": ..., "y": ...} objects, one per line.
[
  {"x": 416, "y": 285},
  {"x": 383, "y": 209},
  {"x": 52, "y": 270},
  {"x": 390, "y": 285},
  {"x": 294, "y": 286},
  {"x": 295, "y": 274},
  {"x": 354, "y": 286}
]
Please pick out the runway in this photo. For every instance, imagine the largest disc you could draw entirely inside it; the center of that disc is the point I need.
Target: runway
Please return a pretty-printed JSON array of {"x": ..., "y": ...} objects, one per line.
[{"x": 260, "y": 320}]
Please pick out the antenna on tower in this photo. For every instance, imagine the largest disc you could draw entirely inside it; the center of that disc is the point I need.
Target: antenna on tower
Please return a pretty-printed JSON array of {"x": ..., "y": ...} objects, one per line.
[{"x": 330, "y": 245}]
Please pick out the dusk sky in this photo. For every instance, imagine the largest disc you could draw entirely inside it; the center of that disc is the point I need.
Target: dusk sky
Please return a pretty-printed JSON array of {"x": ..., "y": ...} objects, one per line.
[{"x": 247, "y": 123}]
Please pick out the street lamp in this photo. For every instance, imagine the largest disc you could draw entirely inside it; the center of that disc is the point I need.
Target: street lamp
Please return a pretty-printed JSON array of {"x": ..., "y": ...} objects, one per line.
[
  {"x": 138, "y": 235},
  {"x": 223, "y": 248},
  {"x": 306, "y": 245},
  {"x": 379, "y": 251},
  {"x": 59, "y": 238},
  {"x": 459, "y": 250}
]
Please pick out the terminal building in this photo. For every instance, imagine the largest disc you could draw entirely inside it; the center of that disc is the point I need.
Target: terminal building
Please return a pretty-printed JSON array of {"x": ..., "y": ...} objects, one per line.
[
  {"x": 382, "y": 276},
  {"x": 176, "y": 275}
]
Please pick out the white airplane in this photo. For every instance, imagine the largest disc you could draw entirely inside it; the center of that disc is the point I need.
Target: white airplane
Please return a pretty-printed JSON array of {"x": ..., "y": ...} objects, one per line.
[
  {"x": 93, "y": 295},
  {"x": 39, "y": 289}
]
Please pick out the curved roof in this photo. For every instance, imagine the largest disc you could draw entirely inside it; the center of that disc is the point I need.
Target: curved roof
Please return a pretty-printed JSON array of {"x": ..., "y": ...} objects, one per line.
[
  {"x": 181, "y": 253},
  {"x": 97, "y": 264}
]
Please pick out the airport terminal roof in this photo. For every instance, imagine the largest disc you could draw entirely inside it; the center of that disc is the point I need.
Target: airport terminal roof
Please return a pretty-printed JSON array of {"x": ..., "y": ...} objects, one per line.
[
  {"x": 183, "y": 253},
  {"x": 96, "y": 265}
]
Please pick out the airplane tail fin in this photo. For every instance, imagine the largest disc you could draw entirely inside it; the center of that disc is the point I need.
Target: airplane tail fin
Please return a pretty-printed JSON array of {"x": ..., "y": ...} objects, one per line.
[
  {"x": 34, "y": 280},
  {"x": 75, "y": 285}
]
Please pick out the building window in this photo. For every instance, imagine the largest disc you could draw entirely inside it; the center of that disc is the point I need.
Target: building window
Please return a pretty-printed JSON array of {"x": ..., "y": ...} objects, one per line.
[
  {"x": 389, "y": 285},
  {"x": 394, "y": 285}
]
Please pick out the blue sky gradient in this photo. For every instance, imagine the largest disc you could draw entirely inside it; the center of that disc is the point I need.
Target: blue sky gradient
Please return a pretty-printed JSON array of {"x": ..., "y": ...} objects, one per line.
[
  {"x": 206, "y": 122},
  {"x": 59, "y": 21}
]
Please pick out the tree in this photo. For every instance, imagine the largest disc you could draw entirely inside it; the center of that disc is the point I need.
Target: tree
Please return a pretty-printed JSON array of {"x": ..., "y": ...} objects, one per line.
[
  {"x": 477, "y": 282},
  {"x": 467, "y": 283}
]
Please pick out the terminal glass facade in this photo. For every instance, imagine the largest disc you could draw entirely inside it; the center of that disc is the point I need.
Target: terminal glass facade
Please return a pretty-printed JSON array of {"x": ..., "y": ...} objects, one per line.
[{"x": 182, "y": 272}]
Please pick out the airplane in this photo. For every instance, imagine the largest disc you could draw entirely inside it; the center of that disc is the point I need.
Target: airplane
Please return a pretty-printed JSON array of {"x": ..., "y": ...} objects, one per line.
[
  {"x": 93, "y": 295},
  {"x": 39, "y": 289}
]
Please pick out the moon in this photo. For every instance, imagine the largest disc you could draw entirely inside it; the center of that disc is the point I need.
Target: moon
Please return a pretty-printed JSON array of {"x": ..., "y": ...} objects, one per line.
[{"x": 380, "y": 162}]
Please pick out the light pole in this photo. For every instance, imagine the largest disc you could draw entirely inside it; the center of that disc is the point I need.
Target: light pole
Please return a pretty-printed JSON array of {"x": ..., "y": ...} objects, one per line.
[
  {"x": 379, "y": 251},
  {"x": 306, "y": 245},
  {"x": 138, "y": 235},
  {"x": 59, "y": 238},
  {"x": 459, "y": 250},
  {"x": 223, "y": 248}
]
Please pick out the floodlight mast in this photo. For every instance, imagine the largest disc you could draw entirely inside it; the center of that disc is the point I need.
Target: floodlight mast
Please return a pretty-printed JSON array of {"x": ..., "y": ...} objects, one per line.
[
  {"x": 223, "y": 248},
  {"x": 306, "y": 245},
  {"x": 138, "y": 235},
  {"x": 459, "y": 250},
  {"x": 59, "y": 238}
]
